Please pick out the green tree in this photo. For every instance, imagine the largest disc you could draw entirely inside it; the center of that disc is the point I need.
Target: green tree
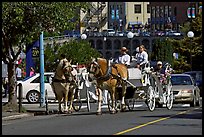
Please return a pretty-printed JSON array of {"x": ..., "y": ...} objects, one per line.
[
  {"x": 186, "y": 50},
  {"x": 78, "y": 51},
  {"x": 22, "y": 23},
  {"x": 162, "y": 50}
]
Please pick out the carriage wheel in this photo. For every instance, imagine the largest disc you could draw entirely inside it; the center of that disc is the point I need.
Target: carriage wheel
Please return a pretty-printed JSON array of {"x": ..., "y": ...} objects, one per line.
[
  {"x": 150, "y": 98},
  {"x": 77, "y": 103},
  {"x": 169, "y": 96},
  {"x": 110, "y": 107},
  {"x": 130, "y": 103}
]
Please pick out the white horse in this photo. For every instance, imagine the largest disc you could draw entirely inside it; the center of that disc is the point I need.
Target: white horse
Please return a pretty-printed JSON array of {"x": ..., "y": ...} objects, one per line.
[{"x": 62, "y": 85}]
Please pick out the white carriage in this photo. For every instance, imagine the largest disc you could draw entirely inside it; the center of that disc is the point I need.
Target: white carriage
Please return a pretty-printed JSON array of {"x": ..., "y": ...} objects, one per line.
[
  {"x": 142, "y": 85},
  {"x": 146, "y": 85}
]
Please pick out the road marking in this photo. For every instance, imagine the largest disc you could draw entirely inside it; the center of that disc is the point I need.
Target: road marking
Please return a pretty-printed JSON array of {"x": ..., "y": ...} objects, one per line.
[{"x": 151, "y": 122}]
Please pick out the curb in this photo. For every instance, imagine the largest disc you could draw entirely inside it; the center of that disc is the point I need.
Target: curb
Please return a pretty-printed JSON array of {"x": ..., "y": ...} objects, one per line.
[{"x": 19, "y": 116}]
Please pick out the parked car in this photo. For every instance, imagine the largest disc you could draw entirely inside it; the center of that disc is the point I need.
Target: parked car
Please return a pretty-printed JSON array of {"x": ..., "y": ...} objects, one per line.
[
  {"x": 31, "y": 87},
  {"x": 108, "y": 32},
  {"x": 119, "y": 33},
  {"x": 197, "y": 75},
  {"x": 173, "y": 33},
  {"x": 185, "y": 89}
]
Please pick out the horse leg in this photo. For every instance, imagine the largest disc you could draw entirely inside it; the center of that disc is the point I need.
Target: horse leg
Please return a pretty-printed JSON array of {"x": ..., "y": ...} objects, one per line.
[
  {"x": 66, "y": 102},
  {"x": 99, "y": 112},
  {"x": 123, "y": 106},
  {"x": 113, "y": 111},
  {"x": 71, "y": 100},
  {"x": 60, "y": 107}
]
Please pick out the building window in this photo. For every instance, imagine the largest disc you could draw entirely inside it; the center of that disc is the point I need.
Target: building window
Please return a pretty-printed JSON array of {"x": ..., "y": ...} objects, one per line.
[
  {"x": 157, "y": 11},
  {"x": 175, "y": 11},
  {"x": 137, "y": 8},
  {"x": 153, "y": 12},
  {"x": 166, "y": 11},
  {"x": 170, "y": 12},
  {"x": 121, "y": 10},
  {"x": 148, "y": 8},
  {"x": 161, "y": 11}
]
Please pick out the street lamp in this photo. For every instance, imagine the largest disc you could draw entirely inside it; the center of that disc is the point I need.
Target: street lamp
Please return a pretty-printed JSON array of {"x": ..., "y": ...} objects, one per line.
[
  {"x": 130, "y": 35},
  {"x": 83, "y": 36},
  {"x": 190, "y": 34}
]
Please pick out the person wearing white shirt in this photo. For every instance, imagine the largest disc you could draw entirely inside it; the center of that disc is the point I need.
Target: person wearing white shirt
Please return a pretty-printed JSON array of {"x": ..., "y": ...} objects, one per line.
[
  {"x": 142, "y": 57},
  {"x": 18, "y": 73},
  {"x": 124, "y": 58}
]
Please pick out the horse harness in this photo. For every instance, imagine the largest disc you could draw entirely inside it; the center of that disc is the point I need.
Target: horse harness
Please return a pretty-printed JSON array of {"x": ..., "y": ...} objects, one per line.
[
  {"x": 108, "y": 74},
  {"x": 67, "y": 78}
]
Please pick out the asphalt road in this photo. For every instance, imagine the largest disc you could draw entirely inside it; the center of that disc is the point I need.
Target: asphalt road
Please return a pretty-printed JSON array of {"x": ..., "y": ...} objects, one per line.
[{"x": 180, "y": 120}]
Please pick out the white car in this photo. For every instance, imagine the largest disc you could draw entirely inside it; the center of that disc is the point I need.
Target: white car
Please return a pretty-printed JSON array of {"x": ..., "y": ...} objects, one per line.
[{"x": 31, "y": 87}]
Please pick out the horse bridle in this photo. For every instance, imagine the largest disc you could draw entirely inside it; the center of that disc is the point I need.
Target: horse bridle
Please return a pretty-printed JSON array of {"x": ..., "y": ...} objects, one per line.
[
  {"x": 97, "y": 73},
  {"x": 96, "y": 66}
]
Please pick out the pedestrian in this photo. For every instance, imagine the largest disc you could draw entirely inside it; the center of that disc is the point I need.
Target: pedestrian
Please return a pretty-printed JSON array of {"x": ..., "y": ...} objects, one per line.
[
  {"x": 5, "y": 86},
  {"x": 18, "y": 72},
  {"x": 124, "y": 58},
  {"x": 137, "y": 52},
  {"x": 32, "y": 71},
  {"x": 142, "y": 57}
]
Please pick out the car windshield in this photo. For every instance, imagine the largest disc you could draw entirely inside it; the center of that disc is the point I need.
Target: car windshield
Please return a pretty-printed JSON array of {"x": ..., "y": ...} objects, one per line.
[{"x": 181, "y": 80}]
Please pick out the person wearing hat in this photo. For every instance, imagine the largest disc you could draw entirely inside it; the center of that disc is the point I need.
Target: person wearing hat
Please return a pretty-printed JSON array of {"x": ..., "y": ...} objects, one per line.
[
  {"x": 124, "y": 58},
  {"x": 158, "y": 68},
  {"x": 142, "y": 57}
]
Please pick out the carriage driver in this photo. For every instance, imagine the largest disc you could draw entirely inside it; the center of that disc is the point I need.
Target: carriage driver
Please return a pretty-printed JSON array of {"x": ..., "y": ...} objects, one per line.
[{"x": 124, "y": 58}]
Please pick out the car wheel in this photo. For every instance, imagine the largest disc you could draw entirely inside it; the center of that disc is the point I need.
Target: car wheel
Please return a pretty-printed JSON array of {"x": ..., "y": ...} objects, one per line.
[
  {"x": 198, "y": 102},
  {"x": 193, "y": 103},
  {"x": 33, "y": 96}
]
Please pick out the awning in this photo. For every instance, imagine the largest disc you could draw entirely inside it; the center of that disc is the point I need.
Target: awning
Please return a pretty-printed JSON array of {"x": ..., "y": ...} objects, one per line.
[{"x": 135, "y": 23}]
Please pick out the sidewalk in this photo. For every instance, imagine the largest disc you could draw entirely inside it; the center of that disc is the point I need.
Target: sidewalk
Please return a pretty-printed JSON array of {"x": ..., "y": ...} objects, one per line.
[
  {"x": 32, "y": 110},
  {"x": 36, "y": 109}
]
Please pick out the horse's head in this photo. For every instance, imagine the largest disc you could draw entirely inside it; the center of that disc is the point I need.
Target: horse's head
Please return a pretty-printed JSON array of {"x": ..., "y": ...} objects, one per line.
[
  {"x": 67, "y": 69},
  {"x": 97, "y": 68},
  {"x": 93, "y": 68}
]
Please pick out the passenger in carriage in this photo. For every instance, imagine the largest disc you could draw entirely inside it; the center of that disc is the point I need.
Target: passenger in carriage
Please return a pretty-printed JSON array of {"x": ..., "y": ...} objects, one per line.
[
  {"x": 142, "y": 57},
  {"x": 124, "y": 58},
  {"x": 158, "y": 68},
  {"x": 162, "y": 71}
]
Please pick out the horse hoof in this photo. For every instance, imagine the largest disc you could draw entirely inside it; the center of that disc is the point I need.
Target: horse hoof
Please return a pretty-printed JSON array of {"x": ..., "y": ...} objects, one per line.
[
  {"x": 123, "y": 109},
  {"x": 60, "y": 112},
  {"x": 70, "y": 111},
  {"x": 113, "y": 112},
  {"x": 98, "y": 113}
]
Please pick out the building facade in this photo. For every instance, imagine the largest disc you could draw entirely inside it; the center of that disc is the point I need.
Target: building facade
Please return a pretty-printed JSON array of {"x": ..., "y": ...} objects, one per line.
[
  {"x": 170, "y": 15},
  {"x": 114, "y": 15},
  {"x": 137, "y": 13}
]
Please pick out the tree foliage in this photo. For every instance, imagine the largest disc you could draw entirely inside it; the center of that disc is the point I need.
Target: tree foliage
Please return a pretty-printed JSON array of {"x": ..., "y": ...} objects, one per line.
[
  {"x": 162, "y": 50},
  {"x": 78, "y": 51},
  {"x": 187, "y": 47},
  {"x": 22, "y": 23}
]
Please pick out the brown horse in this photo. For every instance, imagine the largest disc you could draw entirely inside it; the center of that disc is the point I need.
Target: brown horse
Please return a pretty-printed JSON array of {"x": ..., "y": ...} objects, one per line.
[
  {"x": 61, "y": 85},
  {"x": 108, "y": 77}
]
